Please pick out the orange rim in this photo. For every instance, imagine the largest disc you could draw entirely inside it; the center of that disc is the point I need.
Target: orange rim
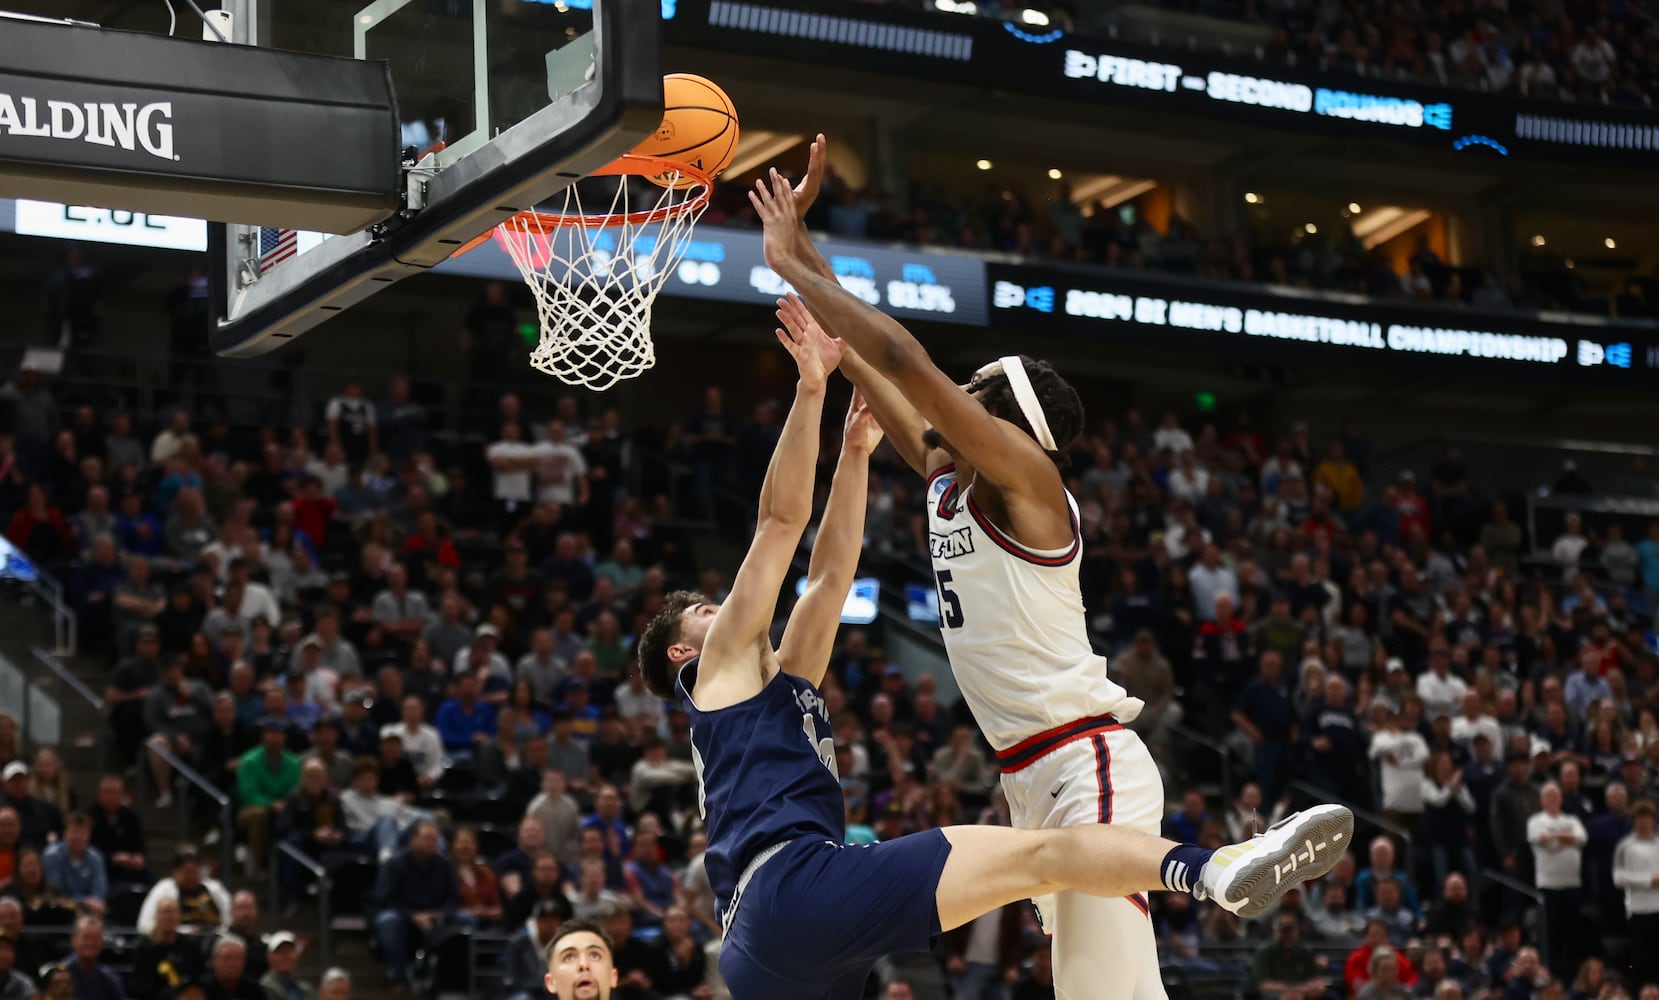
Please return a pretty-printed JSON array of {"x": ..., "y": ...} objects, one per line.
[{"x": 635, "y": 164}]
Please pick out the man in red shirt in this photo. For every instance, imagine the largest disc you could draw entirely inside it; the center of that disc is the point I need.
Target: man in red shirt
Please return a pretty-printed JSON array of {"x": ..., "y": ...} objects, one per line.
[
  {"x": 1356, "y": 971},
  {"x": 312, "y": 511}
]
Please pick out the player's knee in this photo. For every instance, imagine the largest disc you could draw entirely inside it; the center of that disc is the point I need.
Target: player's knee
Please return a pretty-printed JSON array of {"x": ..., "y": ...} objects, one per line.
[{"x": 1046, "y": 853}]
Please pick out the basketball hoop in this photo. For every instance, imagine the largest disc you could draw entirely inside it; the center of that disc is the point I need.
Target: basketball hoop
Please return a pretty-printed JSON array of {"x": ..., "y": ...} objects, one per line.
[{"x": 595, "y": 275}]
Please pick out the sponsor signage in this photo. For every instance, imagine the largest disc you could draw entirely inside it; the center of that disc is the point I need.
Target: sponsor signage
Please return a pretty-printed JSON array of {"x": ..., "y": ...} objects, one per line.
[{"x": 174, "y": 126}]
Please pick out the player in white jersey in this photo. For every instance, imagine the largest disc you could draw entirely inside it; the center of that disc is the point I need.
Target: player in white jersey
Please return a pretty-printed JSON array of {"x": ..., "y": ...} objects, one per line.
[{"x": 1005, "y": 543}]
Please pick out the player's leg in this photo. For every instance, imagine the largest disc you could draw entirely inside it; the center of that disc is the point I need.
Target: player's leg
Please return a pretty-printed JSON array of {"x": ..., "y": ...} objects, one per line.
[
  {"x": 1100, "y": 940},
  {"x": 990, "y": 867}
]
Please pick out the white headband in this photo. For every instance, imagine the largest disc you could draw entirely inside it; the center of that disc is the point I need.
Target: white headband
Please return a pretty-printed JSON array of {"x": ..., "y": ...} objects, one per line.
[{"x": 1012, "y": 367}]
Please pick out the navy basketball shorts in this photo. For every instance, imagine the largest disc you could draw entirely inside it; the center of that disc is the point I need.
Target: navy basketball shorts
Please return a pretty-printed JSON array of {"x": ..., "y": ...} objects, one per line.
[{"x": 816, "y": 916}]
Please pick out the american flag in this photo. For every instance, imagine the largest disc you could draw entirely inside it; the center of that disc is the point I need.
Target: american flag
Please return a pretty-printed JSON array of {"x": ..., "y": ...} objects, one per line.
[{"x": 276, "y": 246}]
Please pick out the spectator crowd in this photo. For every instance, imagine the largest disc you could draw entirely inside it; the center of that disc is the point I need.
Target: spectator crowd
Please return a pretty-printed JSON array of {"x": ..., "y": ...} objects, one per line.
[{"x": 409, "y": 661}]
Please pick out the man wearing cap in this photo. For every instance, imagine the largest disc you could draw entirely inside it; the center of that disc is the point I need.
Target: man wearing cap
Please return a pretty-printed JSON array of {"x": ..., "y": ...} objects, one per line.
[
  {"x": 526, "y": 958},
  {"x": 265, "y": 776},
  {"x": 1285, "y": 964},
  {"x": 486, "y": 638},
  {"x": 584, "y": 714},
  {"x": 1636, "y": 871},
  {"x": 284, "y": 956},
  {"x": 336, "y": 985},
  {"x": 39, "y": 821}
]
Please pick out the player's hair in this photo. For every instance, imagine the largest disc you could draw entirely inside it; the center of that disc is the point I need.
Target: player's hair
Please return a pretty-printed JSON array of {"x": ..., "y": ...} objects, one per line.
[
  {"x": 1062, "y": 407},
  {"x": 570, "y": 927},
  {"x": 663, "y": 632}
]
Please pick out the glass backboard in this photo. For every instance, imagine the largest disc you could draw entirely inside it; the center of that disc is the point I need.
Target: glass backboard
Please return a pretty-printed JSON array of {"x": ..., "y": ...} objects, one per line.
[{"x": 501, "y": 105}]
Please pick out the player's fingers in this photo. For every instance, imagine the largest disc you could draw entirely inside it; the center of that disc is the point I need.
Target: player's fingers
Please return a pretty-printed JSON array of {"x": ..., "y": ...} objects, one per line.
[{"x": 785, "y": 339}]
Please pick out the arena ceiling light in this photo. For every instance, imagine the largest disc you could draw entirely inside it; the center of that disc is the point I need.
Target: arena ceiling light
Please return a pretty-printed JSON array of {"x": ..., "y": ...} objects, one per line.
[
  {"x": 1054, "y": 173},
  {"x": 1109, "y": 191},
  {"x": 1034, "y": 17},
  {"x": 1353, "y": 208},
  {"x": 1610, "y": 243},
  {"x": 1538, "y": 241},
  {"x": 758, "y": 148},
  {"x": 1252, "y": 198},
  {"x": 983, "y": 164},
  {"x": 1379, "y": 225}
]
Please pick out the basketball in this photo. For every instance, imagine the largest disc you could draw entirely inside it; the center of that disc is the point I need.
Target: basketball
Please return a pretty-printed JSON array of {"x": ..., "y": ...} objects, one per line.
[{"x": 699, "y": 128}]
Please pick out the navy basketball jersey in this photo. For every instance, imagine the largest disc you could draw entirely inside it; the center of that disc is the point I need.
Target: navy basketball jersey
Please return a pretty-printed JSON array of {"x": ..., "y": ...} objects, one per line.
[{"x": 765, "y": 772}]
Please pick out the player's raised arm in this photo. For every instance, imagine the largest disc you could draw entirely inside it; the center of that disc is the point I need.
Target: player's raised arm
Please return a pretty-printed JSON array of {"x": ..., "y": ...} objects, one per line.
[
  {"x": 1000, "y": 452},
  {"x": 785, "y": 509},
  {"x": 810, "y": 635},
  {"x": 903, "y": 425}
]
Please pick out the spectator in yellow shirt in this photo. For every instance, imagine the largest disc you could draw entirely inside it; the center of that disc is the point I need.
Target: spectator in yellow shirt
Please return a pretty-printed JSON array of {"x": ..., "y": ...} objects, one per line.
[{"x": 1341, "y": 477}]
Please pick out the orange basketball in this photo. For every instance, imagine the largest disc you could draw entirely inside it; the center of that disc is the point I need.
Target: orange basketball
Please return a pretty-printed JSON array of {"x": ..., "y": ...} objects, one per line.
[{"x": 699, "y": 128}]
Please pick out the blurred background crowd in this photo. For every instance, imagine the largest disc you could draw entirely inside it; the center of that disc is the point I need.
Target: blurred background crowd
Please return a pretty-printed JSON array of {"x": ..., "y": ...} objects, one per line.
[{"x": 407, "y": 665}]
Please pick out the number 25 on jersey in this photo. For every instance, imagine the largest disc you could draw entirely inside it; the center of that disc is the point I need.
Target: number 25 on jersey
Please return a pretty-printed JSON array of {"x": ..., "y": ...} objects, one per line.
[{"x": 950, "y": 608}]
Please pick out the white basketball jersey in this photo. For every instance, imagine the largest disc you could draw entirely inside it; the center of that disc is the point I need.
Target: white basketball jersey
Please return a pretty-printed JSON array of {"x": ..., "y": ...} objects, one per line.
[{"x": 1013, "y": 623}]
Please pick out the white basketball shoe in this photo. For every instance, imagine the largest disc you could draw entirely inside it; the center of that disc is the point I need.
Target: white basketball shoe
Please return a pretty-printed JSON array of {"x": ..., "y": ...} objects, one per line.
[{"x": 1249, "y": 878}]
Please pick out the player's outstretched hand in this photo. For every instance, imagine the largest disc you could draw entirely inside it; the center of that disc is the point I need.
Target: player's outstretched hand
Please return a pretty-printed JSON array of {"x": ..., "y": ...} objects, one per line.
[
  {"x": 815, "y": 354},
  {"x": 862, "y": 433},
  {"x": 775, "y": 204},
  {"x": 798, "y": 323},
  {"x": 806, "y": 192}
]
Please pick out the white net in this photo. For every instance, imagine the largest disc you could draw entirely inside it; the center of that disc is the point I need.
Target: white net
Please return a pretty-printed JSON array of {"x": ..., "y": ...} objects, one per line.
[{"x": 595, "y": 279}]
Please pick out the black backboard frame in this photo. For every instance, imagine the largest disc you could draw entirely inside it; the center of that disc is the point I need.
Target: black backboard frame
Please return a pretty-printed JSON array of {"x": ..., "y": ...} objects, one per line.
[{"x": 521, "y": 166}]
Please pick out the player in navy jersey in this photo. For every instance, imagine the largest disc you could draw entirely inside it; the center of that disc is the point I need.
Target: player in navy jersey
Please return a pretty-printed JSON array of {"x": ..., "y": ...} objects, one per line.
[{"x": 806, "y": 916}]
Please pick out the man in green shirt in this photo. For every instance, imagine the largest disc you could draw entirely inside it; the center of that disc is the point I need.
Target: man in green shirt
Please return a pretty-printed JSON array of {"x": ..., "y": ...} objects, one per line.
[
  {"x": 265, "y": 777},
  {"x": 1285, "y": 964}
]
